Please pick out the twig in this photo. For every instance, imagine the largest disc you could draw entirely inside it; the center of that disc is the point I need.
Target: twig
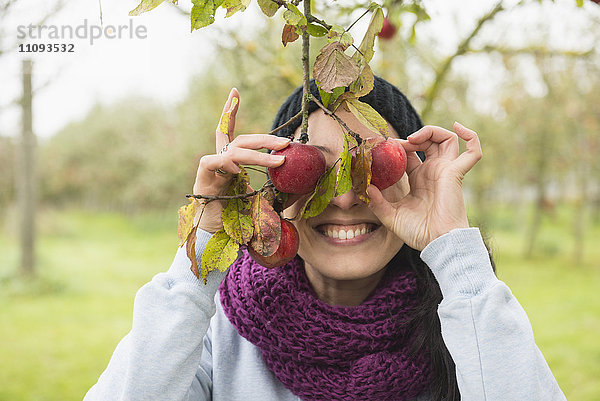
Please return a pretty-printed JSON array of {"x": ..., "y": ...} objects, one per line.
[
  {"x": 226, "y": 197},
  {"x": 287, "y": 123},
  {"x": 358, "y": 19},
  {"x": 306, "y": 76},
  {"x": 312, "y": 18},
  {"x": 339, "y": 120}
]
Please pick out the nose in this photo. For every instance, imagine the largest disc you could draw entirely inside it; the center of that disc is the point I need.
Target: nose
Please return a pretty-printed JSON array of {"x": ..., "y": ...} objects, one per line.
[{"x": 346, "y": 201}]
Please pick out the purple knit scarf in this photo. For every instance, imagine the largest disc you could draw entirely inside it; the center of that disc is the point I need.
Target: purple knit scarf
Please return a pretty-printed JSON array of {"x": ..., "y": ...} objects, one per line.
[{"x": 324, "y": 352}]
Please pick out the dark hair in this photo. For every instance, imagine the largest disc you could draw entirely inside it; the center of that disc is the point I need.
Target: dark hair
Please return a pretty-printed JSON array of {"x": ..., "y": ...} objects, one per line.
[{"x": 425, "y": 328}]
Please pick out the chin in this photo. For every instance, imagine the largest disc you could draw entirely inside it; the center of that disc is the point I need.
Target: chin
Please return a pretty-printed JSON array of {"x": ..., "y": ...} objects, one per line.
[{"x": 328, "y": 247}]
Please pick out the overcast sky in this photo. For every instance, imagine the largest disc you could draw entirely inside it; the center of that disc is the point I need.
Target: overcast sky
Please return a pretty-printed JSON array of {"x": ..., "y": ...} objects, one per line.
[{"x": 158, "y": 64}]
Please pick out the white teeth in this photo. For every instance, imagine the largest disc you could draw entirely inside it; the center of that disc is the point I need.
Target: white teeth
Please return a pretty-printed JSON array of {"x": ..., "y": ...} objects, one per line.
[{"x": 332, "y": 231}]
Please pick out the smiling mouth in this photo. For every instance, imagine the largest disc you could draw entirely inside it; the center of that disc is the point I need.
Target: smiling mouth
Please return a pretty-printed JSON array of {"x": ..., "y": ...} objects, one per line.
[{"x": 346, "y": 232}]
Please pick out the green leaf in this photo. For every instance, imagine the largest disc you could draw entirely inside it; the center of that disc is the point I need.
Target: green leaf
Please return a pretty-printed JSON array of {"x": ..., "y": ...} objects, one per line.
[
  {"x": 364, "y": 83},
  {"x": 368, "y": 116},
  {"x": 322, "y": 195},
  {"x": 145, "y": 5},
  {"x": 333, "y": 68},
  {"x": 233, "y": 6},
  {"x": 328, "y": 98},
  {"x": 268, "y": 7},
  {"x": 220, "y": 252},
  {"x": 344, "y": 180},
  {"x": 365, "y": 49},
  {"x": 338, "y": 34},
  {"x": 237, "y": 221},
  {"x": 316, "y": 30},
  {"x": 203, "y": 12},
  {"x": 293, "y": 16}
]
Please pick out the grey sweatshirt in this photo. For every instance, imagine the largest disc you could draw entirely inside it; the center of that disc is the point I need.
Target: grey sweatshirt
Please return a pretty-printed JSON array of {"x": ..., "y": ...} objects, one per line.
[{"x": 182, "y": 347}]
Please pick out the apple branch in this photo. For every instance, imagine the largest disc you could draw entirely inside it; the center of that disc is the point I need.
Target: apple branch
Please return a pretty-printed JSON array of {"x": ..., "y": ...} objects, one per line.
[
  {"x": 463, "y": 47},
  {"x": 227, "y": 197},
  {"x": 305, "y": 76}
]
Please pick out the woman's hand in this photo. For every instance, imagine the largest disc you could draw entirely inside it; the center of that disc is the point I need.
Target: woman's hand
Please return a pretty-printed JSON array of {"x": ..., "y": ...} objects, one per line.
[
  {"x": 435, "y": 203},
  {"x": 216, "y": 171}
]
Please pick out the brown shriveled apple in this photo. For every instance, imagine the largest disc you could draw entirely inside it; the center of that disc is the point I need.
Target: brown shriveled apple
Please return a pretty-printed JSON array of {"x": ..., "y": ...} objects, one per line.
[
  {"x": 302, "y": 168},
  {"x": 287, "y": 249}
]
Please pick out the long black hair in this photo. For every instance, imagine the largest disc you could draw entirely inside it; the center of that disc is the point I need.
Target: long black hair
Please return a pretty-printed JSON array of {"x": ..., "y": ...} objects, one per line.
[{"x": 424, "y": 324}]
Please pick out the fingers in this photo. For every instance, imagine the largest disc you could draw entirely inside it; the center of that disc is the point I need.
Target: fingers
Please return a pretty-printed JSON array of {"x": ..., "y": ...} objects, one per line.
[
  {"x": 227, "y": 120},
  {"x": 412, "y": 159},
  {"x": 473, "y": 153},
  {"x": 434, "y": 141},
  {"x": 383, "y": 209}
]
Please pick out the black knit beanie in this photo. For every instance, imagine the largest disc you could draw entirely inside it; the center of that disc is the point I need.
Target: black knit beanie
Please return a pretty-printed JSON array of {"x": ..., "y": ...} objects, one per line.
[{"x": 385, "y": 98}]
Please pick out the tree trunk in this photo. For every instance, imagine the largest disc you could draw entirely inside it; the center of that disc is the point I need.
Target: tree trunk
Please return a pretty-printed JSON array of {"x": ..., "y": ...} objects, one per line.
[{"x": 26, "y": 173}]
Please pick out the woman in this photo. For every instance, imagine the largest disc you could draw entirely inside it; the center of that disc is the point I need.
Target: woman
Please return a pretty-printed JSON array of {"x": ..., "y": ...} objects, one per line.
[{"x": 405, "y": 307}]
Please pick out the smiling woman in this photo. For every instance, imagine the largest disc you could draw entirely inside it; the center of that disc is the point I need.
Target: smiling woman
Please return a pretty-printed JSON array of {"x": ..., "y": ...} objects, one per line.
[{"x": 391, "y": 300}]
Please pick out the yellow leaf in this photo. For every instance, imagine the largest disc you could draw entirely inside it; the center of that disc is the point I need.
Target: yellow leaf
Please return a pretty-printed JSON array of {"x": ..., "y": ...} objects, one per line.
[{"x": 186, "y": 219}]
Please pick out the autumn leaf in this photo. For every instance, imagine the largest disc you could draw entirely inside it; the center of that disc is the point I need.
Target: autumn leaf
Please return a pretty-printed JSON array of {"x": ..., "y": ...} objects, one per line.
[
  {"x": 267, "y": 226},
  {"x": 368, "y": 116},
  {"x": 322, "y": 195},
  {"x": 226, "y": 117},
  {"x": 289, "y": 34},
  {"x": 186, "y": 219},
  {"x": 190, "y": 250},
  {"x": 237, "y": 221},
  {"x": 233, "y": 6},
  {"x": 333, "y": 68},
  {"x": 268, "y": 7},
  {"x": 364, "y": 83},
  {"x": 220, "y": 252},
  {"x": 203, "y": 12},
  {"x": 361, "y": 170},
  {"x": 147, "y": 5},
  {"x": 343, "y": 182},
  {"x": 365, "y": 49}
]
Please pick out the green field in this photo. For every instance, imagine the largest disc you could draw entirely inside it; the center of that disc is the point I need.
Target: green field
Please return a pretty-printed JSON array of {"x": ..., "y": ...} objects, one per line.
[{"x": 57, "y": 332}]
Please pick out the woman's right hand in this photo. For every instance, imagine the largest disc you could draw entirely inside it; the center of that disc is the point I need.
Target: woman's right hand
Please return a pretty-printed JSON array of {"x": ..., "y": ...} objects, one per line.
[{"x": 216, "y": 171}]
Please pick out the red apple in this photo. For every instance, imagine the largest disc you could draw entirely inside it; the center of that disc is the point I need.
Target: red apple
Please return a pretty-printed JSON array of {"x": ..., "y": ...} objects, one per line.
[
  {"x": 388, "y": 30},
  {"x": 389, "y": 163},
  {"x": 287, "y": 249},
  {"x": 302, "y": 168}
]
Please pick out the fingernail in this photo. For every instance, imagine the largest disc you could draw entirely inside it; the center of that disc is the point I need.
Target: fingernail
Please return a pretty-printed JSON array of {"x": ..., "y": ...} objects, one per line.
[
  {"x": 459, "y": 124},
  {"x": 279, "y": 158}
]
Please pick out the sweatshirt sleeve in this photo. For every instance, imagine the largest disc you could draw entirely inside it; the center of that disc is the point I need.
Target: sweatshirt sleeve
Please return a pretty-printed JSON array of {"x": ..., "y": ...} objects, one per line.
[
  {"x": 484, "y": 327},
  {"x": 158, "y": 359}
]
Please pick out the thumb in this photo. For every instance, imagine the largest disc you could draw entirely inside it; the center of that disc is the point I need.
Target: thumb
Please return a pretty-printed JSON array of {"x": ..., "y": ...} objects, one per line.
[{"x": 383, "y": 209}]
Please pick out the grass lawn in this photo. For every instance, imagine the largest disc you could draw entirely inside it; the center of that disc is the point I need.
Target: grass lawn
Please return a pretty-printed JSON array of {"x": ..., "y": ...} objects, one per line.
[{"x": 58, "y": 331}]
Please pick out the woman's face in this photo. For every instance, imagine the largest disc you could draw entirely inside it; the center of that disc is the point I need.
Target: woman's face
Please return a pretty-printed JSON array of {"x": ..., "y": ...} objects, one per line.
[{"x": 346, "y": 241}]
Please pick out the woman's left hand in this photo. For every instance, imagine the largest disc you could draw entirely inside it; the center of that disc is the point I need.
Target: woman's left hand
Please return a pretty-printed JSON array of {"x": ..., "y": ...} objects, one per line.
[{"x": 435, "y": 203}]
